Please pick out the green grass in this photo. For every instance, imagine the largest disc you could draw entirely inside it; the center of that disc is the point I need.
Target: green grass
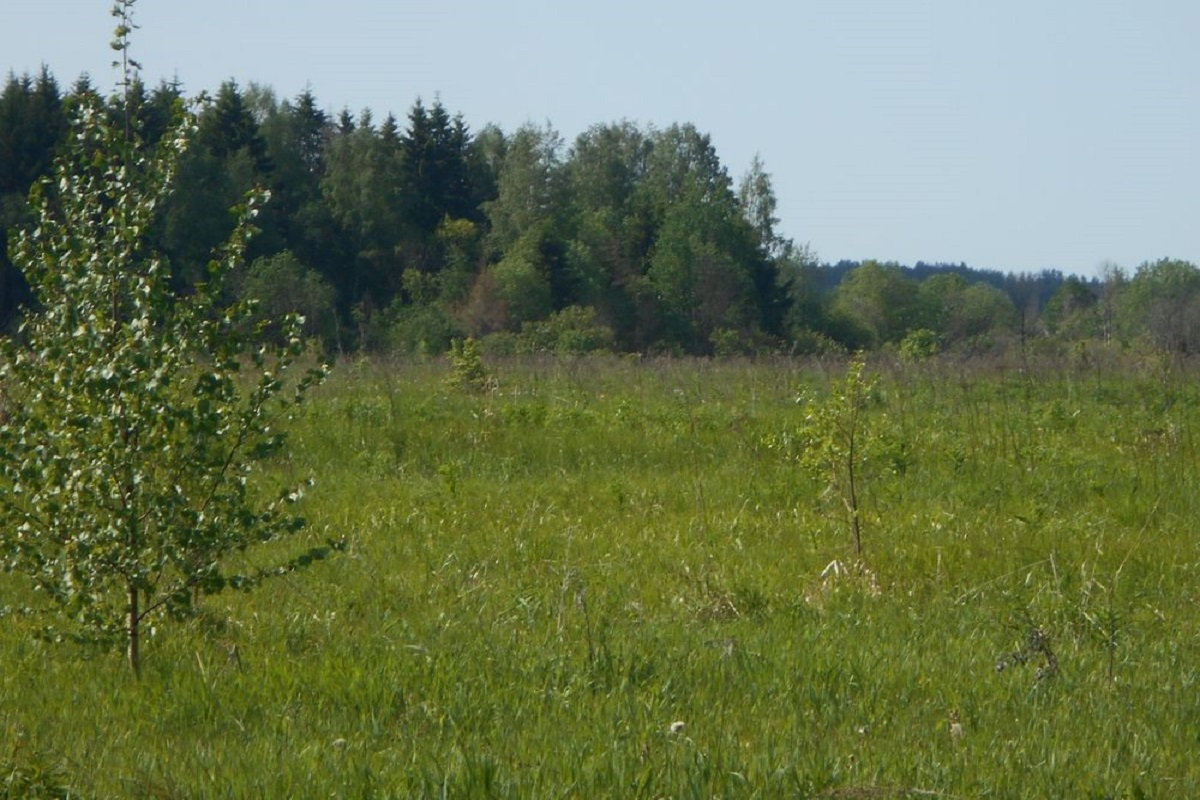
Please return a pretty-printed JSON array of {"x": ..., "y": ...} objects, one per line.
[{"x": 539, "y": 580}]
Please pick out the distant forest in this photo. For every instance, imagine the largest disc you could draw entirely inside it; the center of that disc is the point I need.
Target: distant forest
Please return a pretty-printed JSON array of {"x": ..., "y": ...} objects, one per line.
[{"x": 402, "y": 235}]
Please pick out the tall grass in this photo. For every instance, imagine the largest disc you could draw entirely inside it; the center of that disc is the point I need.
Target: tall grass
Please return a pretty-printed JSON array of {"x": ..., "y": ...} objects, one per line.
[{"x": 540, "y": 581}]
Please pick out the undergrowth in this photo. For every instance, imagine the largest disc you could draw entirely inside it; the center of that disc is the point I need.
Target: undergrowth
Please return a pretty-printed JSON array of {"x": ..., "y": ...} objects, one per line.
[{"x": 605, "y": 578}]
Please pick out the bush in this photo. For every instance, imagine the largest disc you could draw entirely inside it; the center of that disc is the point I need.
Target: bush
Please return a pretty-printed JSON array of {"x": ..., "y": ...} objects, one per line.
[
  {"x": 29, "y": 776},
  {"x": 807, "y": 342},
  {"x": 919, "y": 345},
  {"x": 573, "y": 330},
  {"x": 469, "y": 372},
  {"x": 422, "y": 330},
  {"x": 282, "y": 285}
]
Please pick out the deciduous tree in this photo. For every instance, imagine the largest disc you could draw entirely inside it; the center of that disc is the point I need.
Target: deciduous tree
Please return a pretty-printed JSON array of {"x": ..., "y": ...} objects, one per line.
[
  {"x": 135, "y": 417},
  {"x": 1163, "y": 301}
]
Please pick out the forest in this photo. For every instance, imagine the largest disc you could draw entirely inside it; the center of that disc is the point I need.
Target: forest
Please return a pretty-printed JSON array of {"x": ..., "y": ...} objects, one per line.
[{"x": 400, "y": 236}]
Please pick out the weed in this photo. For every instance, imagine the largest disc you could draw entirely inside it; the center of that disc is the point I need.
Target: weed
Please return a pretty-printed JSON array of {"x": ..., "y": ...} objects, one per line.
[
  {"x": 1036, "y": 649},
  {"x": 27, "y": 774}
]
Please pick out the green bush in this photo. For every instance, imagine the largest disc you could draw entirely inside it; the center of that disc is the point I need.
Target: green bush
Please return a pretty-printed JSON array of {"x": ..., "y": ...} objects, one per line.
[
  {"x": 574, "y": 330},
  {"x": 26, "y": 775},
  {"x": 468, "y": 370},
  {"x": 281, "y": 285},
  {"x": 919, "y": 345},
  {"x": 424, "y": 330}
]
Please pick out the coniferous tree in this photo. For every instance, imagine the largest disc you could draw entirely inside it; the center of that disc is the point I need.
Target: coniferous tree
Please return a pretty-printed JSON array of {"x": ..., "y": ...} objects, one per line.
[
  {"x": 227, "y": 158},
  {"x": 298, "y": 134},
  {"x": 33, "y": 124},
  {"x": 436, "y": 178},
  {"x": 362, "y": 189},
  {"x": 227, "y": 127},
  {"x": 161, "y": 110}
]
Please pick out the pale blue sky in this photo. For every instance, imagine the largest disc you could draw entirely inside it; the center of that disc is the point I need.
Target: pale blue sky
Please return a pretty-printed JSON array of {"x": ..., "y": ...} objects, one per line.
[{"x": 1014, "y": 135}]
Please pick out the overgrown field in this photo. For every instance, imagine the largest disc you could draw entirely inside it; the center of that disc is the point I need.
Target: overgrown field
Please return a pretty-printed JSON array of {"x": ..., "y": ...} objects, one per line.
[{"x": 613, "y": 578}]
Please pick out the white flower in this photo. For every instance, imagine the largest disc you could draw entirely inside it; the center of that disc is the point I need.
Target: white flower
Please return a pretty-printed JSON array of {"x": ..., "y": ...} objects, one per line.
[{"x": 677, "y": 726}]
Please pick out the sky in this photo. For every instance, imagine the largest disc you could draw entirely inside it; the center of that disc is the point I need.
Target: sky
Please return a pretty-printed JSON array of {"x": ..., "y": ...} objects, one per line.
[{"x": 1019, "y": 135}]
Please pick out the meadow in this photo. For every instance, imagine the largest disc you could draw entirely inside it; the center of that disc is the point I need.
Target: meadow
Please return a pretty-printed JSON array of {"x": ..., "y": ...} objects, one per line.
[{"x": 612, "y": 577}]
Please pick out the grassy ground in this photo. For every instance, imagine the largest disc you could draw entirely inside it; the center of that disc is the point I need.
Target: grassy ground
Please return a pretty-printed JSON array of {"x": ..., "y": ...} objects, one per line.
[{"x": 611, "y": 578}]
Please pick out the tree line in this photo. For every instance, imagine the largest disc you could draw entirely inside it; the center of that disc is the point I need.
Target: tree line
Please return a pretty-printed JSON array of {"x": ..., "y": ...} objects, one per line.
[{"x": 404, "y": 234}]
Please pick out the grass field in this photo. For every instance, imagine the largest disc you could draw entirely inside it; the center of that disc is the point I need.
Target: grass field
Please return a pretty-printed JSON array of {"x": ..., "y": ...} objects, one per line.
[{"x": 612, "y": 578}]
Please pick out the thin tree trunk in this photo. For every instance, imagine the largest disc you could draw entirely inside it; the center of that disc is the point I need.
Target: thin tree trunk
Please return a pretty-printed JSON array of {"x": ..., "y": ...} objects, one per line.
[
  {"x": 135, "y": 661},
  {"x": 852, "y": 502},
  {"x": 852, "y": 499}
]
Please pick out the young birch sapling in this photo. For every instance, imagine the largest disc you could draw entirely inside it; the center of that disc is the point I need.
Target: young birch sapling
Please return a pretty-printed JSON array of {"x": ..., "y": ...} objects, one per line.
[
  {"x": 136, "y": 414},
  {"x": 836, "y": 440}
]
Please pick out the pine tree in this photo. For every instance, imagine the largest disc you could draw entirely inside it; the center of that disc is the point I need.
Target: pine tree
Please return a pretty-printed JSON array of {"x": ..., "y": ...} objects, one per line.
[{"x": 436, "y": 176}]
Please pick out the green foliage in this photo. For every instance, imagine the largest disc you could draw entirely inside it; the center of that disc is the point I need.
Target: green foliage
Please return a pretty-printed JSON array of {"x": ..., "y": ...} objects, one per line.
[
  {"x": 226, "y": 158},
  {"x": 540, "y": 582},
  {"x": 421, "y": 329},
  {"x": 807, "y": 342},
  {"x": 280, "y": 285},
  {"x": 756, "y": 196},
  {"x": 460, "y": 240},
  {"x": 522, "y": 288},
  {"x": 136, "y": 417},
  {"x": 919, "y": 345},
  {"x": 880, "y": 301},
  {"x": 32, "y": 125},
  {"x": 572, "y": 331},
  {"x": 529, "y": 184},
  {"x": 26, "y": 775},
  {"x": 1070, "y": 313},
  {"x": 644, "y": 225},
  {"x": 697, "y": 278},
  {"x": 1162, "y": 302},
  {"x": 728, "y": 342},
  {"x": 709, "y": 267},
  {"x": 436, "y": 172},
  {"x": 363, "y": 186},
  {"x": 468, "y": 373},
  {"x": 838, "y": 439}
]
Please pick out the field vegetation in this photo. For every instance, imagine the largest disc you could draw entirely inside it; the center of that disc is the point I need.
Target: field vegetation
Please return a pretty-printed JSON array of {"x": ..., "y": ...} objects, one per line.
[
  {"x": 617, "y": 492},
  {"x": 619, "y": 577}
]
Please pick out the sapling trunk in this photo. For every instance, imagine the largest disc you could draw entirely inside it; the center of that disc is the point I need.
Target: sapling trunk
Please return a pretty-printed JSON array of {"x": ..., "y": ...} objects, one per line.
[
  {"x": 837, "y": 442},
  {"x": 852, "y": 503},
  {"x": 135, "y": 659},
  {"x": 854, "y": 391}
]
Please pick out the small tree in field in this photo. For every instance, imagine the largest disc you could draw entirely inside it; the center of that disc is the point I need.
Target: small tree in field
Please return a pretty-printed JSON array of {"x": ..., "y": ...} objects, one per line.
[
  {"x": 837, "y": 441},
  {"x": 135, "y": 416}
]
